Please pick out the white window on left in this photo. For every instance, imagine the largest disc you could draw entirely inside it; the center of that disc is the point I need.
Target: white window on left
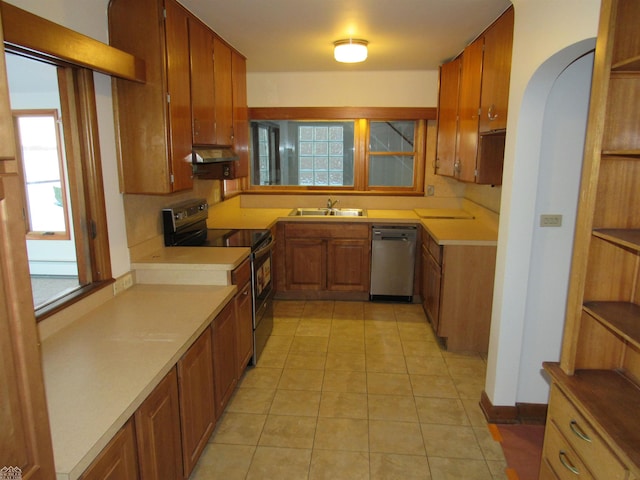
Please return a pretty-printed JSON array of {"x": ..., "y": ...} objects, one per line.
[{"x": 43, "y": 173}]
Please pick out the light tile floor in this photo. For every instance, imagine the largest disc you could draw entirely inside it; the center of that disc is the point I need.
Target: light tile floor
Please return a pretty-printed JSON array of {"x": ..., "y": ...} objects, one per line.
[{"x": 355, "y": 390}]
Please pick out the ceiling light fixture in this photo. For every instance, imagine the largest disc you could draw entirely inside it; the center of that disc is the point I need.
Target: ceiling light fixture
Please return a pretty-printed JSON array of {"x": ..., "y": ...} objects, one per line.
[{"x": 350, "y": 51}]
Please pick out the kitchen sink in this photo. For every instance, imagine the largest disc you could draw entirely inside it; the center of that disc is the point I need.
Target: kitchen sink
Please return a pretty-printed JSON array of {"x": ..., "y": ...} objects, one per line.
[{"x": 328, "y": 212}]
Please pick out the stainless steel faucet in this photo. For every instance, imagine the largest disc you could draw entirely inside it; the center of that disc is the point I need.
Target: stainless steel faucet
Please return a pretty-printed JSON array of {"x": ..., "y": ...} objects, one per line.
[{"x": 331, "y": 204}]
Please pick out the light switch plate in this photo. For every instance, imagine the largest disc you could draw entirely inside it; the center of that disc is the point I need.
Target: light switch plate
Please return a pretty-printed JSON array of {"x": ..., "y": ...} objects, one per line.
[{"x": 551, "y": 220}]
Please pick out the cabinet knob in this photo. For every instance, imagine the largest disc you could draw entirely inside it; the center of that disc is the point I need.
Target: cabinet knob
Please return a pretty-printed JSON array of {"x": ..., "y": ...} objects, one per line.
[{"x": 490, "y": 115}]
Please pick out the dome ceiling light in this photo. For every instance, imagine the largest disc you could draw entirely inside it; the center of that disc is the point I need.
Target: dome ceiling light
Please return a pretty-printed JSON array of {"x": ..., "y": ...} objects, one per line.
[{"x": 350, "y": 51}]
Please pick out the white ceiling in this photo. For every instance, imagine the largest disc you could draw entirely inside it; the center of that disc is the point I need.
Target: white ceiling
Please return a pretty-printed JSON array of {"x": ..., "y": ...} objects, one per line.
[{"x": 298, "y": 35}]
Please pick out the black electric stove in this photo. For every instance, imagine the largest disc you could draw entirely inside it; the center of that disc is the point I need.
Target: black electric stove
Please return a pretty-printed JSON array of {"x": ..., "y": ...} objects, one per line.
[{"x": 185, "y": 225}]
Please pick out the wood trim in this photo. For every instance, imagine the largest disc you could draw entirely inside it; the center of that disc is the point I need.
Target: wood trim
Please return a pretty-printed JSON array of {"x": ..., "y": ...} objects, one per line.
[
  {"x": 43, "y": 39},
  {"x": 521, "y": 413},
  {"x": 342, "y": 113},
  {"x": 23, "y": 336},
  {"x": 92, "y": 165}
]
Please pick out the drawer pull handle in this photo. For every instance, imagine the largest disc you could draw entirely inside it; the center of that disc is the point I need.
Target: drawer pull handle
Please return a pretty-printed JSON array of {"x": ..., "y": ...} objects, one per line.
[
  {"x": 575, "y": 428},
  {"x": 566, "y": 463}
]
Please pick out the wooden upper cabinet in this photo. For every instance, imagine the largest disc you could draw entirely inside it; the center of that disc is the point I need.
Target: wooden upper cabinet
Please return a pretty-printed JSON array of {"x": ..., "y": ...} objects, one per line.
[
  {"x": 496, "y": 63},
  {"x": 153, "y": 120},
  {"x": 447, "y": 117},
  {"x": 223, "y": 92},
  {"x": 240, "y": 113},
  {"x": 202, "y": 83},
  {"x": 468, "y": 110},
  {"x": 472, "y": 150}
]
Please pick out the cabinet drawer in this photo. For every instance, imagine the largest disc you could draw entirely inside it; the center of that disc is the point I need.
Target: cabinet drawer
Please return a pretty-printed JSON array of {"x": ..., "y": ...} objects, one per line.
[
  {"x": 583, "y": 438},
  {"x": 564, "y": 461},
  {"x": 434, "y": 249},
  {"x": 324, "y": 230},
  {"x": 242, "y": 274}
]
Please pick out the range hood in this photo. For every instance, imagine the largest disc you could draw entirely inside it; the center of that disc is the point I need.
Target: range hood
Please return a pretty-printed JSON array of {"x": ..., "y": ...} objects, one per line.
[{"x": 214, "y": 154}]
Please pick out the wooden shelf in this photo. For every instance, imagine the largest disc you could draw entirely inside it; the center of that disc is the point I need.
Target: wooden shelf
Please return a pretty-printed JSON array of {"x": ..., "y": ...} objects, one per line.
[
  {"x": 629, "y": 65},
  {"x": 622, "y": 153},
  {"x": 629, "y": 238},
  {"x": 620, "y": 317},
  {"x": 611, "y": 401}
]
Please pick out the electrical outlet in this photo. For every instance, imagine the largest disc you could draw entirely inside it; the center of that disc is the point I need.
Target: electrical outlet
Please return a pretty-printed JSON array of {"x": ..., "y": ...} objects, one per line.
[
  {"x": 117, "y": 287},
  {"x": 551, "y": 220},
  {"x": 127, "y": 281},
  {"x": 431, "y": 190}
]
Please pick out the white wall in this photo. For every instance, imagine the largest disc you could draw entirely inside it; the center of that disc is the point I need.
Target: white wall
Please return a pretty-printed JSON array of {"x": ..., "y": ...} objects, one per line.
[
  {"x": 343, "y": 89},
  {"x": 561, "y": 152},
  {"x": 551, "y": 35},
  {"x": 89, "y": 17}
]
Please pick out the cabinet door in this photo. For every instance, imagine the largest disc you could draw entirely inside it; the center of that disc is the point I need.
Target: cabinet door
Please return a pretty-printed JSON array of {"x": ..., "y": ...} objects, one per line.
[
  {"x": 496, "y": 72},
  {"x": 197, "y": 405},
  {"x": 470, "y": 84},
  {"x": 224, "y": 356},
  {"x": 305, "y": 264},
  {"x": 447, "y": 117},
  {"x": 202, "y": 83},
  {"x": 178, "y": 80},
  {"x": 244, "y": 328},
  {"x": 240, "y": 113},
  {"x": 118, "y": 459},
  {"x": 223, "y": 92},
  {"x": 432, "y": 288},
  {"x": 348, "y": 265},
  {"x": 158, "y": 432}
]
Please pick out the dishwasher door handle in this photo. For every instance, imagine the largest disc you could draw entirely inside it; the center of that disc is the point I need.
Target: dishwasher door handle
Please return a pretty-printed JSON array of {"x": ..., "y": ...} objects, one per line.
[{"x": 404, "y": 239}]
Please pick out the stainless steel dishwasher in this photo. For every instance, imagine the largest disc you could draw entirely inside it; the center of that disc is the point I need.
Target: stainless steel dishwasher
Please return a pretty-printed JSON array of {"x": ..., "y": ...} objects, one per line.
[{"x": 393, "y": 257}]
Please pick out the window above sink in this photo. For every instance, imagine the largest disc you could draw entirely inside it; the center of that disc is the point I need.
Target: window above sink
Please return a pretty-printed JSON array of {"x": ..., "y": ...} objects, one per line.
[{"x": 331, "y": 149}]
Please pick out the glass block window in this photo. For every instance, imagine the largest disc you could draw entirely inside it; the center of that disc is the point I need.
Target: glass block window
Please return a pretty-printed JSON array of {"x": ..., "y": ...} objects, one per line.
[
  {"x": 321, "y": 155},
  {"x": 263, "y": 155}
]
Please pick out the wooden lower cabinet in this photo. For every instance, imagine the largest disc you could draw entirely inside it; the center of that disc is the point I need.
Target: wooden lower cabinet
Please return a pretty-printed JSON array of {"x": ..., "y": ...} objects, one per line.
[
  {"x": 167, "y": 434},
  {"x": 573, "y": 446},
  {"x": 224, "y": 357},
  {"x": 243, "y": 301},
  {"x": 324, "y": 260},
  {"x": 197, "y": 403},
  {"x": 244, "y": 328},
  {"x": 305, "y": 260},
  {"x": 348, "y": 264},
  {"x": 118, "y": 460},
  {"x": 158, "y": 437},
  {"x": 457, "y": 289},
  {"x": 431, "y": 281}
]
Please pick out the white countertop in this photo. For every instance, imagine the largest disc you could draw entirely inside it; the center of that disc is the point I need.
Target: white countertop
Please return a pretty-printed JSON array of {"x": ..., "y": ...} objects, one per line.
[{"x": 109, "y": 361}]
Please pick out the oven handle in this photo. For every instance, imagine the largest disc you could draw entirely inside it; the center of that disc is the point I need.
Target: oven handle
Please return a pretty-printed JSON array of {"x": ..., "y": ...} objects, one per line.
[{"x": 262, "y": 250}]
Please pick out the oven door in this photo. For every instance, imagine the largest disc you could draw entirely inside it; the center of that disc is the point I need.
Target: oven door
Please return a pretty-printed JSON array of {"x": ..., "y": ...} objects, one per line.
[{"x": 262, "y": 297}]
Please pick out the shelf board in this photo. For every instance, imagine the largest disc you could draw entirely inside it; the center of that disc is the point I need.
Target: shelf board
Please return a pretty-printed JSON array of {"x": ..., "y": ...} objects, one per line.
[
  {"x": 621, "y": 317},
  {"x": 628, "y": 65},
  {"x": 610, "y": 400},
  {"x": 629, "y": 238},
  {"x": 621, "y": 153}
]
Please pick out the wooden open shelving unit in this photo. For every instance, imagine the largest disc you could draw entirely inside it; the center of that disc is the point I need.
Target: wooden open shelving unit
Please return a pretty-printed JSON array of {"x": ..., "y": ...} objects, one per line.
[{"x": 599, "y": 369}]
